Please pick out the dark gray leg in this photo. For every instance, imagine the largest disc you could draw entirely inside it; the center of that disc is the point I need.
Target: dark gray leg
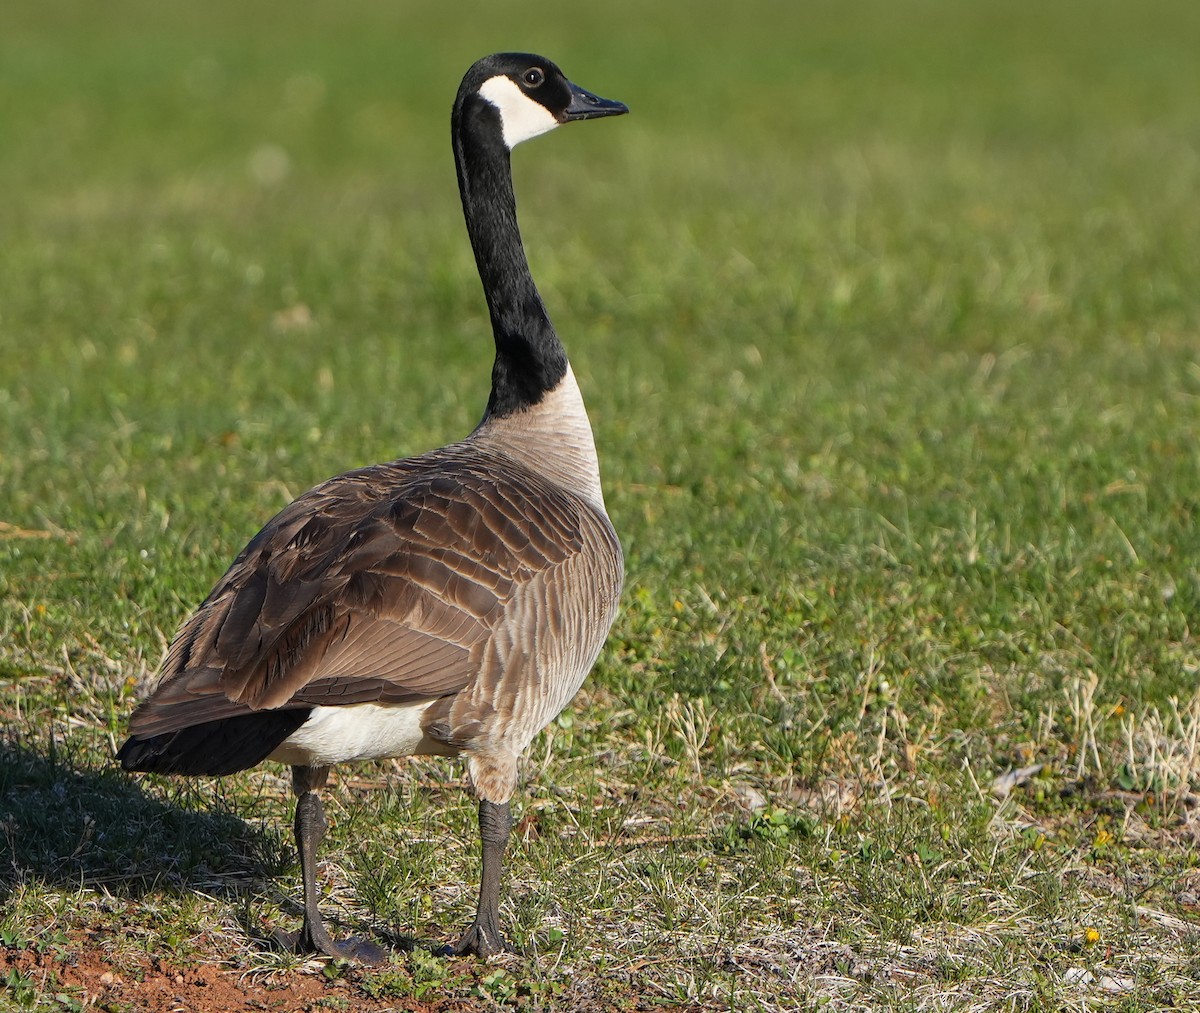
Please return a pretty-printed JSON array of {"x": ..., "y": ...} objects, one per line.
[
  {"x": 310, "y": 826},
  {"x": 484, "y": 937},
  {"x": 310, "y": 829}
]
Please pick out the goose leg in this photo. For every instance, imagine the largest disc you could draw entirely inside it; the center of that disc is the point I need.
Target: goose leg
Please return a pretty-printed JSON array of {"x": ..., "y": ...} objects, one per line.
[
  {"x": 310, "y": 826},
  {"x": 484, "y": 937}
]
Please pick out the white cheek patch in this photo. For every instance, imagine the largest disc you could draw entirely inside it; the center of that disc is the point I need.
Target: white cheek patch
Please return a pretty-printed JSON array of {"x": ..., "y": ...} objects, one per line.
[{"x": 520, "y": 116}]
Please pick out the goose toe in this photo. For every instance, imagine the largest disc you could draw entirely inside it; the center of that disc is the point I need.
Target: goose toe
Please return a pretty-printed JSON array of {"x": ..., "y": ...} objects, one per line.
[
  {"x": 353, "y": 950},
  {"x": 480, "y": 941}
]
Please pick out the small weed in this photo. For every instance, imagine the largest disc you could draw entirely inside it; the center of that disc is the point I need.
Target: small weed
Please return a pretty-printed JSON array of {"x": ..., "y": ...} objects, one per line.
[
  {"x": 22, "y": 989},
  {"x": 13, "y": 939},
  {"x": 870, "y": 850},
  {"x": 389, "y": 983},
  {"x": 424, "y": 973},
  {"x": 499, "y": 986},
  {"x": 927, "y": 855},
  {"x": 779, "y": 824},
  {"x": 335, "y": 969}
]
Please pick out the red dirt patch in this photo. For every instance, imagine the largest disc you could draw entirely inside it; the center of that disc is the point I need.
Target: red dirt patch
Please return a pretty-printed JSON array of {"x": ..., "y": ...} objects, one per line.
[
  {"x": 159, "y": 987},
  {"x": 94, "y": 970}
]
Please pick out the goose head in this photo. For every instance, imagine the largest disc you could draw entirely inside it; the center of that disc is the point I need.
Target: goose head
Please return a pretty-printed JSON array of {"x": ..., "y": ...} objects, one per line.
[{"x": 516, "y": 96}]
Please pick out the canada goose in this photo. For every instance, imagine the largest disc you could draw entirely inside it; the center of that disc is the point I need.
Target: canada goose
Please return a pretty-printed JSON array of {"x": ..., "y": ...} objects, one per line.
[{"x": 450, "y": 603}]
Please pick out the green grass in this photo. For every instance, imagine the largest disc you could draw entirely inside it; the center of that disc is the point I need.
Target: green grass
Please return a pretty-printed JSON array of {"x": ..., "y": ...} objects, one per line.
[{"x": 887, "y": 318}]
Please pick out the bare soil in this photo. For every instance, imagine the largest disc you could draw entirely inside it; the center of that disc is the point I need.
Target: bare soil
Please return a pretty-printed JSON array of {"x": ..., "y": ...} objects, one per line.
[{"x": 159, "y": 987}]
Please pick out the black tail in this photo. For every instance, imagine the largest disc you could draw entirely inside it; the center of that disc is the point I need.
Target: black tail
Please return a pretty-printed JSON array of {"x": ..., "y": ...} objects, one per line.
[{"x": 214, "y": 747}]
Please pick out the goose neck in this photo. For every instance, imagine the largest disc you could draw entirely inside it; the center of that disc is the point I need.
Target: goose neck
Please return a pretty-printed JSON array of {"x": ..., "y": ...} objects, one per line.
[{"x": 530, "y": 359}]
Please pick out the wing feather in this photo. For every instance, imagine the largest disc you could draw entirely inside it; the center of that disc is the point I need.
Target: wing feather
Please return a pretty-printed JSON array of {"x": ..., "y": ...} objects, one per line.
[{"x": 384, "y": 584}]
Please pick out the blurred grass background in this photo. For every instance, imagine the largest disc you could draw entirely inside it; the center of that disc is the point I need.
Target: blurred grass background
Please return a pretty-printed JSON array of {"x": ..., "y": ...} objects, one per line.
[{"x": 887, "y": 319}]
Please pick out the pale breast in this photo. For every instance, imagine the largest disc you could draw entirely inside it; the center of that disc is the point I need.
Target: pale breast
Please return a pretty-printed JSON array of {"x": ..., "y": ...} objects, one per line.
[{"x": 540, "y": 651}]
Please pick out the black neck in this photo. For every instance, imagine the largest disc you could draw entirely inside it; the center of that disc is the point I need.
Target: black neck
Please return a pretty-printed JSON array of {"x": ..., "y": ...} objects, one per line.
[{"x": 530, "y": 360}]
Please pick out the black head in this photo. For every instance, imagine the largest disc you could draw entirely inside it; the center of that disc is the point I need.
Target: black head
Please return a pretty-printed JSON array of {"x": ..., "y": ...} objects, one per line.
[{"x": 530, "y": 95}]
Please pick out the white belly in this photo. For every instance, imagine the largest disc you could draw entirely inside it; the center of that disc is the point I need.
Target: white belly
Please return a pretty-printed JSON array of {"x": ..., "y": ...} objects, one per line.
[{"x": 364, "y": 731}]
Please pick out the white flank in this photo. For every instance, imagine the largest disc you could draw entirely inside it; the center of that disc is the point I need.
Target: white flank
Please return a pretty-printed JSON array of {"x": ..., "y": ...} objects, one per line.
[
  {"x": 364, "y": 731},
  {"x": 520, "y": 116}
]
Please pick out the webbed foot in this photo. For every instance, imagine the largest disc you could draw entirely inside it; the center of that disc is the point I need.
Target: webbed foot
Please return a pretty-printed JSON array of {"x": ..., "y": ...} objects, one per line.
[{"x": 354, "y": 950}]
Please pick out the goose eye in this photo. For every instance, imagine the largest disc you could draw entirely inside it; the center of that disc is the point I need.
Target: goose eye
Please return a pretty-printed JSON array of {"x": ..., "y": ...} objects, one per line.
[{"x": 533, "y": 77}]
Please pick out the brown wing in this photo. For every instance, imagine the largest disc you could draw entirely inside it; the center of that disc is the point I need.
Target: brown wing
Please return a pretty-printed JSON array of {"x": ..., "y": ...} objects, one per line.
[{"x": 380, "y": 585}]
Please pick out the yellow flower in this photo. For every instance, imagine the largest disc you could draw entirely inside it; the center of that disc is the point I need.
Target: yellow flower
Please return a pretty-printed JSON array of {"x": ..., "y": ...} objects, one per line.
[{"x": 1091, "y": 935}]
